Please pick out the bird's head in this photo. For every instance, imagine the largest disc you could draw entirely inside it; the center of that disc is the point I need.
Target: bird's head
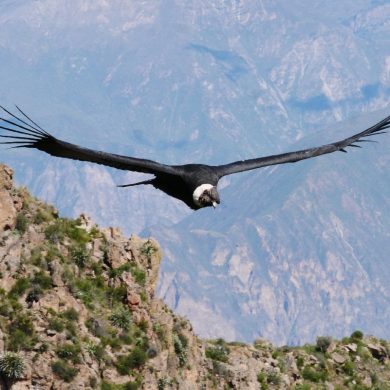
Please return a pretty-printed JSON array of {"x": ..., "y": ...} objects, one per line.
[{"x": 206, "y": 195}]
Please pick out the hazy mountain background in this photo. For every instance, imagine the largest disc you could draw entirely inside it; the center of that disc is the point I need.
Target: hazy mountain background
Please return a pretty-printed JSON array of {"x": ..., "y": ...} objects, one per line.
[{"x": 294, "y": 251}]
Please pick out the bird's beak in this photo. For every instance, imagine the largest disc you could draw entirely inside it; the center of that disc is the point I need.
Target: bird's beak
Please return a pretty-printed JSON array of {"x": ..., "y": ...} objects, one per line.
[{"x": 215, "y": 204}]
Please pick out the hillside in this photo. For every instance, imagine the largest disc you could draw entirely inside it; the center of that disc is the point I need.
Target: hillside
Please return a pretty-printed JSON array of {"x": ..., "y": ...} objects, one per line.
[{"x": 78, "y": 312}]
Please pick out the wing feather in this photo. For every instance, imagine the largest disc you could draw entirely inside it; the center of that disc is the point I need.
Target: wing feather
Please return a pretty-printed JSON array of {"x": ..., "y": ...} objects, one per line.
[
  {"x": 31, "y": 135},
  {"x": 246, "y": 165}
]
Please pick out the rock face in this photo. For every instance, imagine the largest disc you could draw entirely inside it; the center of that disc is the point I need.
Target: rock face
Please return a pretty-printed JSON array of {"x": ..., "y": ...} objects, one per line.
[
  {"x": 77, "y": 311},
  {"x": 7, "y": 208}
]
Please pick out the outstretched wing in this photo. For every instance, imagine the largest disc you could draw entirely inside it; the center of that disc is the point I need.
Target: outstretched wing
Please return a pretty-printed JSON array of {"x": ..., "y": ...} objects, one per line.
[
  {"x": 23, "y": 132},
  {"x": 246, "y": 165}
]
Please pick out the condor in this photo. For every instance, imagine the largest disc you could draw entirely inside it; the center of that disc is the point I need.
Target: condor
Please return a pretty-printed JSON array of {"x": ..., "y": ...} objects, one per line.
[{"x": 194, "y": 184}]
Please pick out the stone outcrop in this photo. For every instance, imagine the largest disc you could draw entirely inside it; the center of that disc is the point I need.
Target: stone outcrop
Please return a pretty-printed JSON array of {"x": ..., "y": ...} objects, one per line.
[{"x": 8, "y": 202}]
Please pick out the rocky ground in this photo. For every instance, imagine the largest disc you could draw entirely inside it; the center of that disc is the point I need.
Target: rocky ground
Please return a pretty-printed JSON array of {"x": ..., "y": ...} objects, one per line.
[{"x": 77, "y": 311}]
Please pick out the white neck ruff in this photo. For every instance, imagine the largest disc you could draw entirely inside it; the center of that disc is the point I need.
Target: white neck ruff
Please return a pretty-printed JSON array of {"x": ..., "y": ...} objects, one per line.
[{"x": 199, "y": 191}]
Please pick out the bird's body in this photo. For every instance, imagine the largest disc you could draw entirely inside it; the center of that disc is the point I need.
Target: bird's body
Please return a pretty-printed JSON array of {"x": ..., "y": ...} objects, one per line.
[
  {"x": 193, "y": 184},
  {"x": 185, "y": 183}
]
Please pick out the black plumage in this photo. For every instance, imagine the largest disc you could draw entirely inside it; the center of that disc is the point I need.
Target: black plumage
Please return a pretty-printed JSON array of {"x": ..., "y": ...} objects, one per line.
[{"x": 194, "y": 184}]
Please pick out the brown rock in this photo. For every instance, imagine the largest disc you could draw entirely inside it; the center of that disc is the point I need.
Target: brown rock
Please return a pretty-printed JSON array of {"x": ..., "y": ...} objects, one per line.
[
  {"x": 115, "y": 233},
  {"x": 97, "y": 252},
  {"x": 86, "y": 222},
  {"x": 56, "y": 270},
  {"x": 367, "y": 381},
  {"x": 378, "y": 352},
  {"x": 7, "y": 208},
  {"x": 337, "y": 358},
  {"x": 133, "y": 299},
  {"x": 351, "y": 347}
]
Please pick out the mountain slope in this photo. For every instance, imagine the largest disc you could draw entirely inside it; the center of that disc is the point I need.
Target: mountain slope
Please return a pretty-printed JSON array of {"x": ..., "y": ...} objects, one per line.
[{"x": 78, "y": 311}]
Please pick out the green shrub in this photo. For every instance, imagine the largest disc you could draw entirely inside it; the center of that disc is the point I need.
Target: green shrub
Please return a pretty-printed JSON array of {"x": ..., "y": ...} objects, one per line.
[
  {"x": 54, "y": 232},
  {"x": 69, "y": 352},
  {"x": 126, "y": 338},
  {"x": 44, "y": 347},
  {"x": 114, "y": 272},
  {"x": 80, "y": 256},
  {"x": 23, "y": 322},
  {"x": 180, "y": 343},
  {"x": 21, "y": 333},
  {"x": 63, "y": 370},
  {"x": 43, "y": 280},
  {"x": 357, "y": 335},
  {"x": 219, "y": 351},
  {"x": 131, "y": 385},
  {"x": 52, "y": 253},
  {"x": 274, "y": 378},
  {"x": 97, "y": 269},
  {"x": 117, "y": 294},
  {"x": 161, "y": 332},
  {"x": 143, "y": 325},
  {"x": 11, "y": 365},
  {"x": 56, "y": 324},
  {"x": 262, "y": 377},
  {"x": 143, "y": 295},
  {"x": 135, "y": 359},
  {"x": 95, "y": 350},
  {"x": 323, "y": 343},
  {"x": 85, "y": 290},
  {"x": 19, "y": 340},
  {"x": 275, "y": 354},
  {"x": 36, "y": 257},
  {"x": 121, "y": 319},
  {"x": 5, "y": 309},
  {"x": 70, "y": 314},
  {"x": 312, "y": 375},
  {"x": 19, "y": 288},
  {"x": 21, "y": 223},
  {"x": 62, "y": 227},
  {"x": 126, "y": 386},
  {"x": 42, "y": 216},
  {"x": 300, "y": 362},
  {"x": 345, "y": 340},
  {"x": 349, "y": 367},
  {"x": 139, "y": 275},
  {"x": 148, "y": 249}
]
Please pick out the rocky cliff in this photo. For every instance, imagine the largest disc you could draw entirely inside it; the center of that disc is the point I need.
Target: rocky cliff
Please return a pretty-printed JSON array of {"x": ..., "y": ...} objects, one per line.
[{"x": 78, "y": 311}]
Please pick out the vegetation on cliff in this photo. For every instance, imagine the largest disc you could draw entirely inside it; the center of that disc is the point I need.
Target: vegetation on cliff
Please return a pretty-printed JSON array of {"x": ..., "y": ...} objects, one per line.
[{"x": 77, "y": 310}]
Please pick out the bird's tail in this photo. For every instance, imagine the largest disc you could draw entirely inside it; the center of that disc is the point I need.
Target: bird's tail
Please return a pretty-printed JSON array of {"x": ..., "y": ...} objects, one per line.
[{"x": 149, "y": 181}]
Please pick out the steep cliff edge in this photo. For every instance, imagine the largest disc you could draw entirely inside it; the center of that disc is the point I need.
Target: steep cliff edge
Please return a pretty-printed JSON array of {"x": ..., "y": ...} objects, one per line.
[{"x": 77, "y": 311}]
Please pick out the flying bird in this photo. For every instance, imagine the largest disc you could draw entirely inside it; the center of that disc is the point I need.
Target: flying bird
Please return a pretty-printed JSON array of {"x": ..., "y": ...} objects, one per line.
[{"x": 194, "y": 184}]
